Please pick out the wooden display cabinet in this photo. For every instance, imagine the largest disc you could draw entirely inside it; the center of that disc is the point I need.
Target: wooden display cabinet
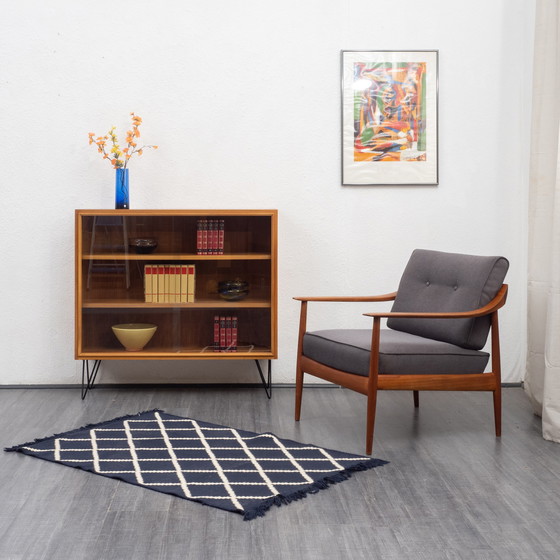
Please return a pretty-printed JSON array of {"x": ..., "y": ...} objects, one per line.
[{"x": 110, "y": 285}]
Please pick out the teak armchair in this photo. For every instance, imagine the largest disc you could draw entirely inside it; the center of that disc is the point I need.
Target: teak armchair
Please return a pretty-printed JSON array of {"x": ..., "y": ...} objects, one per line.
[{"x": 444, "y": 308}]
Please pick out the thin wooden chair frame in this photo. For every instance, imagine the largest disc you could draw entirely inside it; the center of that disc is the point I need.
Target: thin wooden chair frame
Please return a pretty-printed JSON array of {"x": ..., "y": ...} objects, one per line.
[{"x": 376, "y": 380}]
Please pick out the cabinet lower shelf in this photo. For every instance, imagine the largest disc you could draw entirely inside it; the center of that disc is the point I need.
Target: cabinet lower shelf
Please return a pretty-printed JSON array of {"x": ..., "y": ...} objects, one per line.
[{"x": 256, "y": 353}]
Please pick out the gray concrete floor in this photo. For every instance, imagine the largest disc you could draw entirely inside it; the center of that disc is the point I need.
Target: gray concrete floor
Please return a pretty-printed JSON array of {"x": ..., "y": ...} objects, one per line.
[{"x": 451, "y": 490}]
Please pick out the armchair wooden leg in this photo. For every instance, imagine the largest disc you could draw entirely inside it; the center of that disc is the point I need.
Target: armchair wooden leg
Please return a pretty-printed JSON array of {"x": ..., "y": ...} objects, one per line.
[
  {"x": 299, "y": 390},
  {"x": 498, "y": 410},
  {"x": 497, "y": 370},
  {"x": 299, "y": 369},
  {"x": 416, "y": 399},
  {"x": 370, "y": 423},
  {"x": 372, "y": 383}
]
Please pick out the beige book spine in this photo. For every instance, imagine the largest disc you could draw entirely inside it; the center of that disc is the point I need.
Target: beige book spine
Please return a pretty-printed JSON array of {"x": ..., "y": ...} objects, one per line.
[
  {"x": 167, "y": 281},
  {"x": 184, "y": 283},
  {"x": 148, "y": 294},
  {"x": 161, "y": 283},
  {"x": 191, "y": 283},
  {"x": 177, "y": 283}
]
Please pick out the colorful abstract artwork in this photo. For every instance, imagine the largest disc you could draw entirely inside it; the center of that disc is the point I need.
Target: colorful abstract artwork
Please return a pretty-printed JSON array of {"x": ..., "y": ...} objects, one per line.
[
  {"x": 389, "y": 117},
  {"x": 388, "y": 103}
]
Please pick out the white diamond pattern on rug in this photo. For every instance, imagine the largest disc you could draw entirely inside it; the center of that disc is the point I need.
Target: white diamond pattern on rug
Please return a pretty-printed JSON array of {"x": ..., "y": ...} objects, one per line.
[{"x": 219, "y": 466}]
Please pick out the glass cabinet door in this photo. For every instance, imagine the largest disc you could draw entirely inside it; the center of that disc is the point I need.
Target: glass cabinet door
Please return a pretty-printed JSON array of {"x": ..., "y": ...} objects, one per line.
[{"x": 149, "y": 267}]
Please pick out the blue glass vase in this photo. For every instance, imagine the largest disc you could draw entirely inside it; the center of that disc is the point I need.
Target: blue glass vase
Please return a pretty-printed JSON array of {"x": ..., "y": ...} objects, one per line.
[{"x": 121, "y": 189}]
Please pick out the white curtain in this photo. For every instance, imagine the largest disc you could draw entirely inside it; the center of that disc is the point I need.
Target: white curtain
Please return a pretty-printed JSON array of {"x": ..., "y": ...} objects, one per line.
[{"x": 542, "y": 380}]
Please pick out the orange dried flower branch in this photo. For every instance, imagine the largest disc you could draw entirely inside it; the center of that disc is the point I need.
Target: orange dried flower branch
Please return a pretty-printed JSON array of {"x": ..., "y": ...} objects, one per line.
[{"x": 119, "y": 158}]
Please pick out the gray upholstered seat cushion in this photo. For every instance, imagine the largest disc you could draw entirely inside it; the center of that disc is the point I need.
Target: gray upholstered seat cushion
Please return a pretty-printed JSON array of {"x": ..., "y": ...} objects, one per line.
[
  {"x": 400, "y": 353},
  {"x": 437, "y": 282}
]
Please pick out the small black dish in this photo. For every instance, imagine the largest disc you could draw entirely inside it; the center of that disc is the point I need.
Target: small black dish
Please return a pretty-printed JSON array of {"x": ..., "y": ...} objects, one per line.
[
  {"x": 233, "y": 290},
  {"x": 144, "y": 246}
]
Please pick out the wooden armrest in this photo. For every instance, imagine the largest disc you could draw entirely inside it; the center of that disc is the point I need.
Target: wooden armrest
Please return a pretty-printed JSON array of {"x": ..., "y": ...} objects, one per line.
[
  {"x": 384, "y": 297},
  {"x": 490, "y": 307}
]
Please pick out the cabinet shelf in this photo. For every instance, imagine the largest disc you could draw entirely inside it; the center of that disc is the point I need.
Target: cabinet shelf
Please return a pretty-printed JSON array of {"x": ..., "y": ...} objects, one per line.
[
  {"x": 176, "y": 257},
  {"x": 202, "y": 304},
  {"x": 197, "y": 353}
]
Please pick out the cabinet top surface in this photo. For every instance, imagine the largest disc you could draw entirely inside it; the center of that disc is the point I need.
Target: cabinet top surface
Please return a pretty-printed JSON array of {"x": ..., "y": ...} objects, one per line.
[{"x": 177, "y": 212}]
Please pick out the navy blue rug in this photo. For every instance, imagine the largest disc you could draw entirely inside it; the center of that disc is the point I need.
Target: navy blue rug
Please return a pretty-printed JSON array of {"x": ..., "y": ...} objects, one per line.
[{"x": 230, "y": 469}]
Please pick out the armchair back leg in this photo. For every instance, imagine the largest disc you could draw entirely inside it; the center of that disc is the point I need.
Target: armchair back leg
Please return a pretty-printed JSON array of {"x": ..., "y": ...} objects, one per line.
[
  {"x": 299, "y": 391},
  {"x": 370, "y": 422},
  {"x": 498, "y": 411}
]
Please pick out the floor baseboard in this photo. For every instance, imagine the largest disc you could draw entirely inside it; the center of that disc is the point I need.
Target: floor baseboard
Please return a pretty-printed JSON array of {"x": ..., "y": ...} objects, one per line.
[{"x": 191, "y": 386}]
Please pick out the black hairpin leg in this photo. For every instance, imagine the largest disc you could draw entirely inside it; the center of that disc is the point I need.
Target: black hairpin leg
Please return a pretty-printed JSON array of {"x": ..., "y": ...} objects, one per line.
[
  {"x": 88, "y": 378},
  {"x": 266, "y": 384}
]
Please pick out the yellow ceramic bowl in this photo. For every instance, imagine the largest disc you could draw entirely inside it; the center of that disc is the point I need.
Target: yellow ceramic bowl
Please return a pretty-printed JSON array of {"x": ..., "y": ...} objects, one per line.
[{"x": 134, "y": 336}]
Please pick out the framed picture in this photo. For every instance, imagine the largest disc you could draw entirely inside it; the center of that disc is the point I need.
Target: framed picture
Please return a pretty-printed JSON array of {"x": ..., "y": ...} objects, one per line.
[{"x": 389, "y": 117}]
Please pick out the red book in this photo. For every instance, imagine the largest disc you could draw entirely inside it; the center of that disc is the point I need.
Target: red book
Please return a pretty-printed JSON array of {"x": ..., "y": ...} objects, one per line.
[
  {"x": 204, "y": 237},
  {"x": 228, "y": 334},
  {"x": 216, "y": 333},
  {"x": 199, "y": 237},
  {"x": 221, "y": 234},
  {"x": 215, "y": 237},
  {"x": 222, "y": 334},
  {"x": 234, "y": 334},
  {"x": 210, "y": 236}
]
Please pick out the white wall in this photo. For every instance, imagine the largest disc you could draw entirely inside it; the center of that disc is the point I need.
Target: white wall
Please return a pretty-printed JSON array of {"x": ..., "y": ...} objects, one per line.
[{"x": 243, "y": 99}]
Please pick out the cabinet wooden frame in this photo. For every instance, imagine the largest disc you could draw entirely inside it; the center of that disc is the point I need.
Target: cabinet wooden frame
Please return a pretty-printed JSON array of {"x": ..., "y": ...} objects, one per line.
[{"x": 184, "y": 329}]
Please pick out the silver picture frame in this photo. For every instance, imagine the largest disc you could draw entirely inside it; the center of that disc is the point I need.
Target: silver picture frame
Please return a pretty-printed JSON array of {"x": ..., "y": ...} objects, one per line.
[{"x": 389, "y": 117}]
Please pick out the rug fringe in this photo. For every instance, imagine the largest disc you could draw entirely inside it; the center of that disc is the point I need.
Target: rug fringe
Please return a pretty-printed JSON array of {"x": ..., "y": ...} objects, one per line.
[
  {"x": 86, "y": 427},
  {"x": 322, "y": 484}
]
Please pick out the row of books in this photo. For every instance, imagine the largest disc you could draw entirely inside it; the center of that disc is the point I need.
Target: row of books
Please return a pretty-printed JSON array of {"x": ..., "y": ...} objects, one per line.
[
  {"x": 169, "y": 283},
  {"x": 210, "y": 236},
  {"x": 225, "y": 333}
]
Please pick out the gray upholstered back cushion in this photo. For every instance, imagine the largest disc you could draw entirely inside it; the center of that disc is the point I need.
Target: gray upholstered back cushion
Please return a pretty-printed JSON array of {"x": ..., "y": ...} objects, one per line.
[{"x": 441, "y": 282}]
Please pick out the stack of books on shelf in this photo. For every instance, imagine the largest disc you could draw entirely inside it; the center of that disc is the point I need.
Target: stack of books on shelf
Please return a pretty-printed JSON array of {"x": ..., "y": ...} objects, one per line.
[
  {"x": 225, "y": 333},
  {"x": 210, "y": 236},
  {"x": 169, "y": 283}
]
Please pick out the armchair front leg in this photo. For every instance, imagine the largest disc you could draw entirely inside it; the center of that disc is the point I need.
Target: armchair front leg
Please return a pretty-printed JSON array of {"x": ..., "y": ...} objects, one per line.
[
  {"x": 302, "y": 330},
  {"x": 372, "y": 384},
  {"x": 299, "y": 369}
]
